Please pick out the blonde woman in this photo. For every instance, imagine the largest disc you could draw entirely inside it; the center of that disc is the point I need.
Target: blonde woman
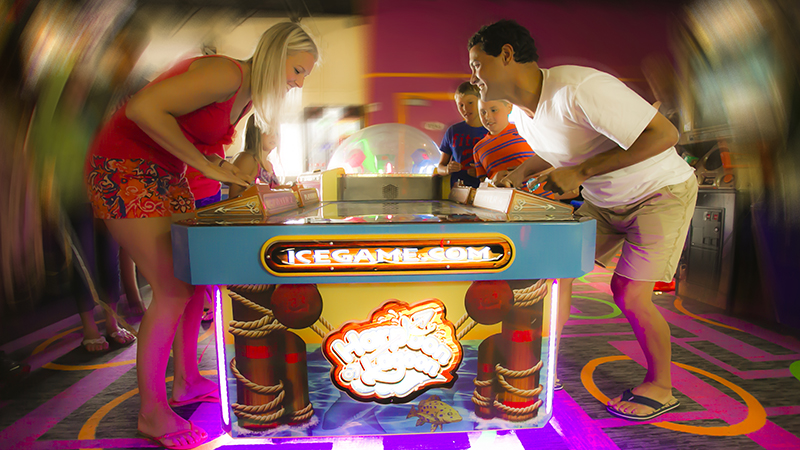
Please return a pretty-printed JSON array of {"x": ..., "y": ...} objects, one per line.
[{"x": 136, "y": 180}]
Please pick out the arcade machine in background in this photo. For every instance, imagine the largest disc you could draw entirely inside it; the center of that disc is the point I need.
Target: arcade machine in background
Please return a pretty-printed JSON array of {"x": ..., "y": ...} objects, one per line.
[
  {"x": 705, "y": 272},
  {"x": 325, "y": 128},
  {"x": 388, "y": 161},
  {"x": 707, "y": 264},
  {"x": 738, "y": 62}
]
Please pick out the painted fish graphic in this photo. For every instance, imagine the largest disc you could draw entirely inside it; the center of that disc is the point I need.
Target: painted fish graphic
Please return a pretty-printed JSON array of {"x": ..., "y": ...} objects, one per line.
[{"x": 434, "y": 411}]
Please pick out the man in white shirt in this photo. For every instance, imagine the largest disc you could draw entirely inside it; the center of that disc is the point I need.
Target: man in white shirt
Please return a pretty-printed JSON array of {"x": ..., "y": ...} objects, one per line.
[{"x": 598, "y": 133}]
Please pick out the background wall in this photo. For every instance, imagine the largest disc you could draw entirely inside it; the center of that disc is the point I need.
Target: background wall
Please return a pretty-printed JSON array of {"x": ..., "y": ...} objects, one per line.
[
  {"x": 420, "y": 46},
  {"x": 337, "y": 80},
  {"x": 404, "y": 59}
]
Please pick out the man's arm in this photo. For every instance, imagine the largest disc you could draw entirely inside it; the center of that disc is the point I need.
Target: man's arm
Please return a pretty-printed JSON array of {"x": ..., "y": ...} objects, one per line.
[
  {"x": 657, "y": 137},
  {"x": 518, "y": 176}
]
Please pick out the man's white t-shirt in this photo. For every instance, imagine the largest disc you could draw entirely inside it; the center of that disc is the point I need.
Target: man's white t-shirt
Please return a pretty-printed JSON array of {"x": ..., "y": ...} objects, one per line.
[{"x": 583, "y": 112}]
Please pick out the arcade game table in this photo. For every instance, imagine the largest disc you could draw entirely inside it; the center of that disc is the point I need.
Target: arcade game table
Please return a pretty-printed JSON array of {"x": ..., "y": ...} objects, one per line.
[{"x": 341, "y": 318}]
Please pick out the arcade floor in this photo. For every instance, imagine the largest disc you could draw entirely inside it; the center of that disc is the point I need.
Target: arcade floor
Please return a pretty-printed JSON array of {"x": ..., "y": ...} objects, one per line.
[{"x": 738, "y": 383}]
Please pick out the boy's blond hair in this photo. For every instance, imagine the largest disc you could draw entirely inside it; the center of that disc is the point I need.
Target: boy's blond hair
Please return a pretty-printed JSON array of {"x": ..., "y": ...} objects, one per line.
[{"x": 467, "y": 88}]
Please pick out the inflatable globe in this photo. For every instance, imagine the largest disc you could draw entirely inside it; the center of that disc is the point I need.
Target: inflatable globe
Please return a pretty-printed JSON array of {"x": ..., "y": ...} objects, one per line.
[{"x": 387, "y": 148}]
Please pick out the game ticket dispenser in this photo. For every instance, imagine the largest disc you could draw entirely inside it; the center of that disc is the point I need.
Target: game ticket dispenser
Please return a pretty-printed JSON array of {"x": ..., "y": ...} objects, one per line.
[
  {"x": 258, "y": 202},
  {"x": 518, "y": 204}
]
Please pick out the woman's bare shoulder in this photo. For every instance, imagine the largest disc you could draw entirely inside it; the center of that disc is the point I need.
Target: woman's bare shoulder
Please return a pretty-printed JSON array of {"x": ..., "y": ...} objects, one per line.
[
  {"x": 203, "y": 83},
  {"x": 220, "y": 69}
]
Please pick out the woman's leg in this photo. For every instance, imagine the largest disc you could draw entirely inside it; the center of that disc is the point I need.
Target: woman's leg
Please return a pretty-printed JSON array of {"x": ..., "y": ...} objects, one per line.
[
  {"x": 188, "y": 382},
  {"x": 149, "y": 243},
  {"x": 208, "y": 303}
]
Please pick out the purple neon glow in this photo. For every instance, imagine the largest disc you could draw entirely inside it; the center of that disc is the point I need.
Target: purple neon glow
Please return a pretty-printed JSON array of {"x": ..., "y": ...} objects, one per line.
[
  {"x": 222, "y": 360},
  {"x": 551, "y": 350}
]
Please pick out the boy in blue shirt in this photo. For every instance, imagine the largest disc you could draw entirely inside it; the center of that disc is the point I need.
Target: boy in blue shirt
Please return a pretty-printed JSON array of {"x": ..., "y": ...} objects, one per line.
[{"x": 459, "y": 139}]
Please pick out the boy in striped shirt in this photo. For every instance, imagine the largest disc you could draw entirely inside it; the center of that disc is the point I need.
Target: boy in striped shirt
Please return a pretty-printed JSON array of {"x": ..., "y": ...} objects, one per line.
[{"x": 503, "y": 149}]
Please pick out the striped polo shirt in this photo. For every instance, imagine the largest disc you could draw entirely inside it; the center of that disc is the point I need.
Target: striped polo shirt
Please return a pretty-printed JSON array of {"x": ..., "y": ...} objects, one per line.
[{"x": 504, "y": 150}]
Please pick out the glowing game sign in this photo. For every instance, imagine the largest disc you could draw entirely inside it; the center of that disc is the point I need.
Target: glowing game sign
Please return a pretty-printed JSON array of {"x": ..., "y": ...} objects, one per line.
[
  {"x": 334, "y": 255},
  {"x": 400, "y": 350}
]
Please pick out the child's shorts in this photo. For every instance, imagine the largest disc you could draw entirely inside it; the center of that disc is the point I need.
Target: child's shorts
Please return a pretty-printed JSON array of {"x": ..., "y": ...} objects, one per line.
[{"x": 135, "y": 189}]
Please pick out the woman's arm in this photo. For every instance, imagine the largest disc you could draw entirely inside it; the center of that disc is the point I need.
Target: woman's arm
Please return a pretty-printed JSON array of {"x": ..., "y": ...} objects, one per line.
[{"x": 155, "y": 108}]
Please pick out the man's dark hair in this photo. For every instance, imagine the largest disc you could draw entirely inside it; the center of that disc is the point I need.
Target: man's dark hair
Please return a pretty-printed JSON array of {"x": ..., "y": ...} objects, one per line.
[
  {"x": 467, "y": 88},
  {"x": 493, "y": 37}
]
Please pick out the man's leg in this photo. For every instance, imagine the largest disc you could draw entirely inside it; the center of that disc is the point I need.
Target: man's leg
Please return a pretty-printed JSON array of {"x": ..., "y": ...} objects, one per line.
[
  {"x": 634, "y": 298},
  {"x": 655, "y": 230}
]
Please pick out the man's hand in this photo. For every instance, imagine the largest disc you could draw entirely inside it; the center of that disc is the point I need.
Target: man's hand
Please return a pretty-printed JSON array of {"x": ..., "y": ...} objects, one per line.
[
  {"x": 561, "y": 180},
  {"x": 514, "y": 178},
  {"x": 499, "y": 175}
]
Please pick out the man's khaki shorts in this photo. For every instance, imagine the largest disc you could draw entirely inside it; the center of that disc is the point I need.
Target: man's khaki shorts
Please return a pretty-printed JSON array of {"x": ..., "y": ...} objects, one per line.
[{"x": 651, "y": 232}]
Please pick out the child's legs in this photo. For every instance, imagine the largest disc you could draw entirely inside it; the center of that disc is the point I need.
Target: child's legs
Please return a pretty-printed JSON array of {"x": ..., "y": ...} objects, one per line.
[
  {"x": 130, "y": 285},
  {"x": 108, "y": 271}
]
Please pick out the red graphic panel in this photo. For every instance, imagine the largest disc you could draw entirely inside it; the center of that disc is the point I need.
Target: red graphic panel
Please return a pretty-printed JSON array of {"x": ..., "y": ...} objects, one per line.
[{"x": 398, "y": 351}]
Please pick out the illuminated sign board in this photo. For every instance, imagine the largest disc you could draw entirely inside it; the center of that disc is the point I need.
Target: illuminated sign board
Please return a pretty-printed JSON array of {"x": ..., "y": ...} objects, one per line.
[
  {"x": 335, "y": 255},
  {"x": 276, "y": 202},
  {"x": 400, "y": 350}
]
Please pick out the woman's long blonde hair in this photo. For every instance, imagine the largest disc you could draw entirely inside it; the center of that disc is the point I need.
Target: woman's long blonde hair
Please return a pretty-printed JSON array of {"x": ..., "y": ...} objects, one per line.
[{"x": 268, "y": 73}]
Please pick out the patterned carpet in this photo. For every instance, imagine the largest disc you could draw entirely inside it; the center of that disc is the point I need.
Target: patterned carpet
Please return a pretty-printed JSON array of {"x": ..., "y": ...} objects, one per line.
[{"x": 738, "y": 382}]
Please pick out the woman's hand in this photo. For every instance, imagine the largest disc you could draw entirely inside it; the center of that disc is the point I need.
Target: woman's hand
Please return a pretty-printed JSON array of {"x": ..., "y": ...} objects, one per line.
[{"x": 225, "y": 172}]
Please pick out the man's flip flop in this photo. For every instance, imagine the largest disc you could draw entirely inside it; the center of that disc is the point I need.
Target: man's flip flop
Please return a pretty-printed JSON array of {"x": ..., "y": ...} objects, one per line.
[
  {"x": 159, "y": 440},
  {"x": 211, "y": 397},
  {"x": 658, "y": 408}
]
